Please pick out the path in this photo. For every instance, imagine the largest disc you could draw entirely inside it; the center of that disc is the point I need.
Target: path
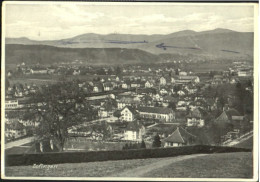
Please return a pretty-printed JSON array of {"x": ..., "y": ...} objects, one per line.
[
  {"x": 140, "y": 171},
  {"x": 18, "y": 142},
  {"x": 240, "y": 140}
]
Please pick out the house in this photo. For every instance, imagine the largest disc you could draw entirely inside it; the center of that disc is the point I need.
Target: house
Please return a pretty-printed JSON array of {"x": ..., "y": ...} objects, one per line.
[
  {"x": 233, "y": 80},
  {"x": 76, "y": 72},
  {"x": 97, "y": 88},
  {"x": 127, "y": 101},
  {"x": 9, "y": 73},
  {"x": 136, "y": 84},
  {"x": 126, "y": 85},
  {"x": 185, "y": 79},
  {"x": 134, "y": 131},
  {"x": 181, "y": 93},
  {"x": 15, "y": 130},
  {"x": 163, "y": 91},
  {"x": 217, "y": 79},
  {"x": 108, "y": 86},
  {"x": 38, "y": 71},
  {"x": 160, "y": 113},
  {"x": 148, "y": 84},
  {"x": 147, "y": 100},
  {"x": 163, "y": 80},
  {"x": 180, "y": 137},
  {"x": 226, "y": 117},
  {"x": 11, "y": 104},
  {"x": 128, "y": 114},
  {"x": 196, "y": 117},
  {"x": 183, "y": 73},
  {"x": 168, "y": 99},
  {"x": 244, "y": 73}
]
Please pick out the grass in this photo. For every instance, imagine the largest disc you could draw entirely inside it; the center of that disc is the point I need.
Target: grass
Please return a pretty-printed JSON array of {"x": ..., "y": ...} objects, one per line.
[
  {"x": 91, "y": 169},
  {"x": 246, "y": 143},
  {"x": 225, "y": 165}
]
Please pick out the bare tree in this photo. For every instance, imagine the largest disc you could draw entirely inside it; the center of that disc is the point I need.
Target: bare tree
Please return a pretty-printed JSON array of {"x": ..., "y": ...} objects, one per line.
[{"x": 56, "y": 108}]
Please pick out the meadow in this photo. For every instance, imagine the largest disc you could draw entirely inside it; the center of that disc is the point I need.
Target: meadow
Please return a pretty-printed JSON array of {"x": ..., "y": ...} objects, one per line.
[{"x": 222, "y": 165}]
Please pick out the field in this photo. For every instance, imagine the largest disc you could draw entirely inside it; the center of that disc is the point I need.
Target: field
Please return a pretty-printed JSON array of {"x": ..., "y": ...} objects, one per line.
[
  {"x": 223, "y": 165},
  {"x": 245, "y": 144}
]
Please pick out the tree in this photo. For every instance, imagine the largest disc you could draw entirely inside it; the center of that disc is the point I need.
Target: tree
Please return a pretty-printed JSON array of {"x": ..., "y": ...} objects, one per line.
[
  {"x": 143, "y": 146},
  {"x": 156, "y": 141},
  {"x": 117, "y": 114},
  {"x": 177, "y": 71},
  {"x": 101, "y": 71},
  {"x": 110, "y": 104},
  {"x": 118, "y": 70},
  {"x": 7, "y": 84},
  {"x": 172, "y": 105},
  {"x": 101, "y": 130},
  {"x": 156, "y": 104},
  {"x": 56, "y": 108}
]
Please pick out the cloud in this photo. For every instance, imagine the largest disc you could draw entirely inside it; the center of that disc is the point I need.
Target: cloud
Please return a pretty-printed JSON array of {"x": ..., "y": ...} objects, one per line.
[{"x": 67, "y": 20}]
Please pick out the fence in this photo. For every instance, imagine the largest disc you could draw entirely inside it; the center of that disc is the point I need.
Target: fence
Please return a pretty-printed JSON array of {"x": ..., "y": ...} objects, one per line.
[{"x": 92, "y": 156}]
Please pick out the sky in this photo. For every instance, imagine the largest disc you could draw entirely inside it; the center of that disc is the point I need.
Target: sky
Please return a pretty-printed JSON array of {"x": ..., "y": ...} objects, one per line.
[{"x": 66, "y": 20}]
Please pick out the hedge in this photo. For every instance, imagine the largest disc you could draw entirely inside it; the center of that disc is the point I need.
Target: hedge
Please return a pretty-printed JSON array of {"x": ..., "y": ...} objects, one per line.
[{"x": 92, "y": 156}]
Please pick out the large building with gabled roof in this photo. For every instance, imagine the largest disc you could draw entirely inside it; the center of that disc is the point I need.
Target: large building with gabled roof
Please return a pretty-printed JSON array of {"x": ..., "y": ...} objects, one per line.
[
  {"x": 179, "y": 137},
  {"x": 160, "y": 113}
]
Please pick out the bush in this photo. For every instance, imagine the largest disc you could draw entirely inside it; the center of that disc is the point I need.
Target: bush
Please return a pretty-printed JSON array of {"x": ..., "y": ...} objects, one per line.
[
  {"x": 143, "y": 146},
  {"x": 157, "y": 141},
  {"x": 92, "y": 156}
]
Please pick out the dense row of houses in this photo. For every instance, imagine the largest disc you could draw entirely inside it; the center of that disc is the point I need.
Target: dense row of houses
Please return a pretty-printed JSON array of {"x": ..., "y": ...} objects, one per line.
[{"x": 169, "y": 100}]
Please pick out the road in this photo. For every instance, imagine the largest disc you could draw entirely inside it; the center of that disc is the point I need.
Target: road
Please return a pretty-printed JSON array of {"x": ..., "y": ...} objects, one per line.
[
  {"x": 140, "y": 171},
  {"x": 110, "y": 119},
  {"x": 19, "y": 142},
  {"x": 240, "y": 140}
]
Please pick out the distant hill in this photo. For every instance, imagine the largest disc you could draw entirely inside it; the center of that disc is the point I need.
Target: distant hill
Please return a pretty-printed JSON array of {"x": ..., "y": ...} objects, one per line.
[
  {"x": 214, "y": 44},
  {"x": 43, "y": 54}
]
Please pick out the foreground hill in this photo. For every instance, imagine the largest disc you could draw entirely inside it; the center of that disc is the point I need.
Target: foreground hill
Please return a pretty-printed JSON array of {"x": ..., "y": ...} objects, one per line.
[
  {"x": 218, "y": 43},
  {"x": 43, "y": 54},
  {"x": 222, "y": 165}
]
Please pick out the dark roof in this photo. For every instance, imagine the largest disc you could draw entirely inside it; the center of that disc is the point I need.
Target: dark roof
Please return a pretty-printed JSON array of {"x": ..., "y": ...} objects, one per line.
[
  {"x": 129, "y": 100},
  {"x": 226, "y": 116},
  {"x": 108, "y": 84},
  {"x": 180, "y": 135},
  {"x": 197, "y": 113},
  {"x": 170, "y": 99},
  {"x": 134, "y": 126},
  {"x": 159, "y": 110},
  {"x": 131, "y": 109},
  {"x": 163, "y": 128}
]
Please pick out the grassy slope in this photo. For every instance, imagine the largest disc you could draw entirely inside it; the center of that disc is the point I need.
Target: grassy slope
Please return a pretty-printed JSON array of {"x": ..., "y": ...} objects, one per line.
[
  {"x": 246, "y": 144},
  {"x": 226, "y": 165}
]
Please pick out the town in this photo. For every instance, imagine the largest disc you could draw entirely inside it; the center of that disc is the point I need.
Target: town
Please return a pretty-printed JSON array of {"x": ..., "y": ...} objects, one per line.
[{"x": 137, "y": 106}]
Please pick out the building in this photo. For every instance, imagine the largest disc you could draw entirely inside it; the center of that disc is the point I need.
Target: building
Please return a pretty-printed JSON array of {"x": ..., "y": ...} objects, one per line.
[
  {"x": 134, "y": 131},
  {"x": 179, "y": 137},
  {"x": 161, "y": 113},
  {"x": 183, "y": 73},
  {"x": 226, "y": 117},
  {"x": 128, "y": 114},
  {"x": 196, "y": 117},
  {"x": 126, "y": 101},
  {"x": 108, "y": 86},
  {"x": 11, "y": 104},
  {"x": 126, "y": 85},
  {"x": 14, "y": 130},
  {"x": 185, "y": 79},
  {"x": 38, "y": 71},
  {"x": 148, "y": 84},
  {"x": 163, "y": 81},
  {"x": 244, "y": 73}
]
